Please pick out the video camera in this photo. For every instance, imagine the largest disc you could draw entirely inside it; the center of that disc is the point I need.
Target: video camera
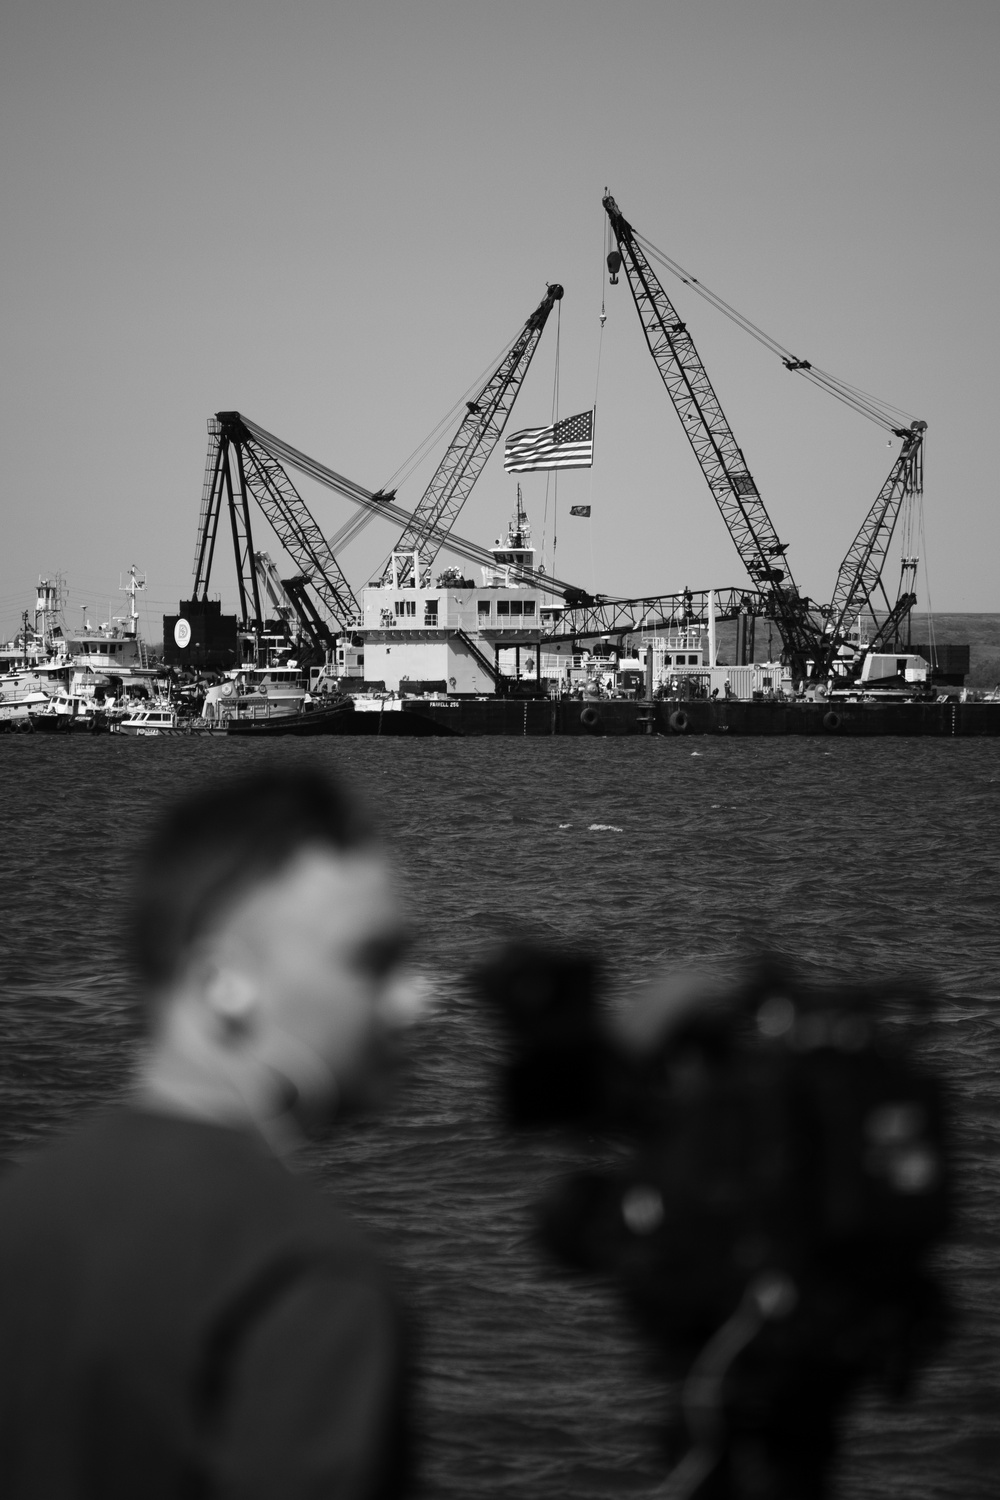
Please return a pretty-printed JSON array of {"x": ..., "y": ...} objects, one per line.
[{"x": 784, "y": 1180}]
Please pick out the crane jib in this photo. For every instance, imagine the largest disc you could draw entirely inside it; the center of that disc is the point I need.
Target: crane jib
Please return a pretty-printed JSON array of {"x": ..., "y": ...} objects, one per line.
[
  {"x": 479, "y": 431},
  {"x": 719, "y": 455},
  {"x": 384, "y": 506}
]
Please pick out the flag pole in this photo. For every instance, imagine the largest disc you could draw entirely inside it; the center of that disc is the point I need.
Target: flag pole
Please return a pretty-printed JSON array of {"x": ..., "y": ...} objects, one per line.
[{"x": 555, "y": 418}]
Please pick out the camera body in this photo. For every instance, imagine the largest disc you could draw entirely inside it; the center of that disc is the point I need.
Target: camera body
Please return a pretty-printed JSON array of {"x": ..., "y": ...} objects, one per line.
[{"x": 782, "y": 1136}]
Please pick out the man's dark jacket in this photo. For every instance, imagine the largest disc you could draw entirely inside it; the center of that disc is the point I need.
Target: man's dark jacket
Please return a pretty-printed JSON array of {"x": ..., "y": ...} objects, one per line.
[{"x": 181, "y": 1316}]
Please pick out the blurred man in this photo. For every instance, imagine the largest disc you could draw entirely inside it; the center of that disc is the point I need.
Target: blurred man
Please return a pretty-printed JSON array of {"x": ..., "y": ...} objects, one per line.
[{"x": 179, "y": 1314}]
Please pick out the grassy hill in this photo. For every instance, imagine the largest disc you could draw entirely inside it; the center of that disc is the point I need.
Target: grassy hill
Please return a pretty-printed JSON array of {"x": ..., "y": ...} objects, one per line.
[{"x": 983, "y": 635}]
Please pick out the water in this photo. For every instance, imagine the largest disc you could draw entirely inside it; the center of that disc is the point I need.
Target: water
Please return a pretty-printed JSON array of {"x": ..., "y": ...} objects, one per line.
[{"x": 861, "y": 857}]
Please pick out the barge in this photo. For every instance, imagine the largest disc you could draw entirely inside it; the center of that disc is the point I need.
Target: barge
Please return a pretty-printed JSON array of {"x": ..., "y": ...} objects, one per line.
[{"x": 465, "y": 718}]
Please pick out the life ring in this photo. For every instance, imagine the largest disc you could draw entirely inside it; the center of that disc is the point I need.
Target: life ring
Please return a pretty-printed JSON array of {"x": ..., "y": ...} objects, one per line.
[
  {"x": 678, "y": 721},
  {"x": 590, "y": 718},
  {"x": 831, "y": 720},
  {"x": 227, "y": 690}
]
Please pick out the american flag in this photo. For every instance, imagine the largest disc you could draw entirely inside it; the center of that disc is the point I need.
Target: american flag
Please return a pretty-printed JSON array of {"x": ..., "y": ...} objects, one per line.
[{"x": 568, "y": 444}]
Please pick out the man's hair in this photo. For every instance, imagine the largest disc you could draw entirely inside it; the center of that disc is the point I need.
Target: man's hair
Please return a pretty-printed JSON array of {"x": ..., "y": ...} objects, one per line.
[{"x": 213, "y": 846}]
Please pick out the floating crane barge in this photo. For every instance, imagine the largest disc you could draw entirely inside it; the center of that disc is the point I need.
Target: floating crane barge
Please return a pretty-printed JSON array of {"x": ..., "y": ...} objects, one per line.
[{"x": 419, "y": 656}]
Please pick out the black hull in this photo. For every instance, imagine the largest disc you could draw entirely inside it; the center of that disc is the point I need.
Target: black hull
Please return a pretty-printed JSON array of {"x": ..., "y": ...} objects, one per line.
[
  {"x": 68, "y": 724},
  {"x": 340, "y": 720},
  {"x": 521, "y": 718}
]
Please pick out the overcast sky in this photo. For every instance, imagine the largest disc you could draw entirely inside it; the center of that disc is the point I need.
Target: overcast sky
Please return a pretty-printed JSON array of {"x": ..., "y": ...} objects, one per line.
[{"x": 331, "y": 216}]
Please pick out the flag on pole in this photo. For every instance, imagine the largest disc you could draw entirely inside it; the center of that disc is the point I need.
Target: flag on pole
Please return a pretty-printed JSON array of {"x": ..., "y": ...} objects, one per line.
[
  {"x": 579, "y": 510},
  {"x": 568, "y": 444}
]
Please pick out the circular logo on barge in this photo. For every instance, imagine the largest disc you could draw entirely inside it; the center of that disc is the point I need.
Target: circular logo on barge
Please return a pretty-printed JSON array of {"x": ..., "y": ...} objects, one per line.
[{"x": 182, "y": 633}]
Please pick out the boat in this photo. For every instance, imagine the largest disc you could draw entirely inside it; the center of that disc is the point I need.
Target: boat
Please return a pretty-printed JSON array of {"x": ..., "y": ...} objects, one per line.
[
  {"x": 329, "y": 719},
  {"x": 387, "y": 715},
  {"x": 255, "y": 694},
  {"x": 16, "y": 710},
  {"x": 158, "y": 719},
  {"x": 69, "y": 679},
  {"x": 74, "y": 710}
]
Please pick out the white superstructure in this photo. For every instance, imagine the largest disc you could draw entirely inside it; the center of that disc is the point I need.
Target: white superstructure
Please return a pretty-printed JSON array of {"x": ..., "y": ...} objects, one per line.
[{"x": 453, "y": 635}]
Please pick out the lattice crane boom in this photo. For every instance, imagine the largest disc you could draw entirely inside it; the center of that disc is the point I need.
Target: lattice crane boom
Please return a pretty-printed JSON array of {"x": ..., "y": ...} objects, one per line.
[
  {"x": 298, "y": 533},
  {"x": 382, "y": 505},
  {"x": 861, "y": 570},
  {"x": 208, "y": 519},
  {"x": 716, "y": 449},
  {"x": 270, "y": 582},
  {"x": 239, "y": 468},
  {"x": 478, "y": 433}
]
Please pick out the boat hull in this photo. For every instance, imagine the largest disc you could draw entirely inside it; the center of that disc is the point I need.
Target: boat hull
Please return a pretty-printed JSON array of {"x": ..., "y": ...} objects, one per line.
[
  {"x": 392, "y": 720},
  {"x": 151, "y": 731},
  {"x": 70, "y": 723}
]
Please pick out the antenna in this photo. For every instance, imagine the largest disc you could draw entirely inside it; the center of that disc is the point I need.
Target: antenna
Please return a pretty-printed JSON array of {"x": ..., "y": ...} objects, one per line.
[{"x": 135, "y": 582}]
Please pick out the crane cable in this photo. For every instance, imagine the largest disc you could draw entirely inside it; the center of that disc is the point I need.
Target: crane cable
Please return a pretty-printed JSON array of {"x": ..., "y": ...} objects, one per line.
[
  {"x": 357, "y": 523},
  {"x": 283, "y": 453},
  {"x": 931, "y": 634},
  {"x": 350, "y": 529},
  {"x": 407, "y": 467},
  {"x": 770, "y": 1295},
  {"x": 597, "y": 387},
  {"x": 883, "y": 413},
  {"x": 552, "y": 475}
]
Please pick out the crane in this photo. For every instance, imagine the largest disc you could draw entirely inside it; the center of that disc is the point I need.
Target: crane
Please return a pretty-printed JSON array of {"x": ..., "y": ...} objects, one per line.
[
  {"x": 478, "y": 433},
  {"x": 809, "y": 642},
  {"x": 267, "y": 577},
  {"x": 290, "y": 599},
  {"x": 715, "y": 447},
  {"x": 244, "y": 461},
  {"x": 861, "y": 570},
  {"x": 237, "y": 468}
]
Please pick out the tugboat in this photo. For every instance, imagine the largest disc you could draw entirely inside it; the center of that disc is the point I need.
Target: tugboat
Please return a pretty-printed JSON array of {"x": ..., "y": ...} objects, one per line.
[
  {"x": 72, "y": 712},
  {"x": 257, "y": 693}
]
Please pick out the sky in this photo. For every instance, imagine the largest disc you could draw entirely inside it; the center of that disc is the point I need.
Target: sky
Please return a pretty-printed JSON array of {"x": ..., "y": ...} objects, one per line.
[{"x": 333, "y": 216}]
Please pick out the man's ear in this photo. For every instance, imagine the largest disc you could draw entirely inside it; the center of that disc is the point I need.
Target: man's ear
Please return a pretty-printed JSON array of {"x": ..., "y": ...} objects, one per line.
[{"x": 232, "y": 1000}]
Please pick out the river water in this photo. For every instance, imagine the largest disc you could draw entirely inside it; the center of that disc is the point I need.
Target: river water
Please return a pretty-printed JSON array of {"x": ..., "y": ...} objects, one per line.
[{"x": 861, "y": 858}]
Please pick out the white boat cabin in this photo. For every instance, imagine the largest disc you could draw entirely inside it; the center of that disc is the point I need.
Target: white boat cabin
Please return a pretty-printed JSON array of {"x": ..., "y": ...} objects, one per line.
[{"x": 454, "y": 634}]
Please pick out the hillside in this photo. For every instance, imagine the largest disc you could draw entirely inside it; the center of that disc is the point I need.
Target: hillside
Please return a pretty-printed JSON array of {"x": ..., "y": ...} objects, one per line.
[{"x": 983, "y": 635}]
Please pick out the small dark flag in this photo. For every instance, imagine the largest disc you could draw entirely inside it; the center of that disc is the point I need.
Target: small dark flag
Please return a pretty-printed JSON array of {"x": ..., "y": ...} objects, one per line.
[
  {"x": 568, "y": 444},
  {"x": 579, "y": 510}
]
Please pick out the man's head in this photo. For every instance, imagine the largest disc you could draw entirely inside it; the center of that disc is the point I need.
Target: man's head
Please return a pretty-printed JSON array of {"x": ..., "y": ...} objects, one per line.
[{"x": 266, "y": 934}]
